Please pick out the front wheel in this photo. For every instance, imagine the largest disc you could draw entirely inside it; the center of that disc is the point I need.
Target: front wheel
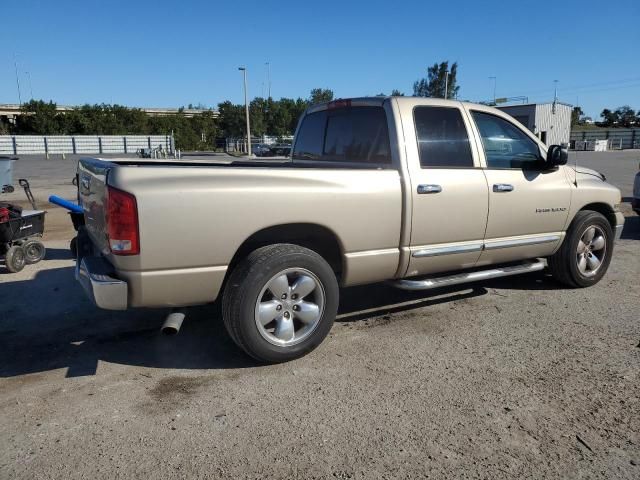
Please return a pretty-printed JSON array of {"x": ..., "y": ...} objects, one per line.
[
  {"x": 585, "y": 253},
  {"x": 15, "y": 259},
  {"x": 280, "y": 302}
]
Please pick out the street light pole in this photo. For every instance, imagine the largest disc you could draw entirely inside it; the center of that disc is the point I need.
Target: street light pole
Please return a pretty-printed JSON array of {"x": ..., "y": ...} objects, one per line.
[
  {"x": 268, "y": 64},
  {"x": 246, "y": 109},
  {"x": 15, "y": 64},
  {"x": 446, "y": 84},
  {"x": 495, "y": 80},
  {"x": 30, "y": 86}
]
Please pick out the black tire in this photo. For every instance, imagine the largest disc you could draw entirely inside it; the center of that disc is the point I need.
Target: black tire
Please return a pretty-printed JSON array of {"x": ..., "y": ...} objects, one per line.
[
  {"x": 247, "y": 281},
  {"x": 563, "y": 264},
  {"x": 34, "y": 251},
  {"x": 15, "y": 259},
  {"x": 73, "y": 247}
]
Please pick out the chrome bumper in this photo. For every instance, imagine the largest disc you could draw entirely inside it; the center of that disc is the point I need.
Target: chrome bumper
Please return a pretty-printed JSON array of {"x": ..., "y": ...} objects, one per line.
[
  {"x": 618, "y": 232},
  {"x": 94, "y": 274}
]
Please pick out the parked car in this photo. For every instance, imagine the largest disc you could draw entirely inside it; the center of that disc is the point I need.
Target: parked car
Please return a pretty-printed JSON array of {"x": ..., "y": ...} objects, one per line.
[
  {"x": 281, "y": 150},
  {"x": 635, "y": 200},
  {"x": 421, "y": 193},
  {"x": 261, "y": 150}
]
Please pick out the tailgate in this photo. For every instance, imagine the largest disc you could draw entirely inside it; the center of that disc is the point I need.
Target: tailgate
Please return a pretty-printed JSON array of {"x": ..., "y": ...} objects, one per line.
[{"x": 92, "y": 194}]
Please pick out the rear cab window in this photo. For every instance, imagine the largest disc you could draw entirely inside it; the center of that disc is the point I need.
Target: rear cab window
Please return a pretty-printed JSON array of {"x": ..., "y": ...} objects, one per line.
[{"x": 351, "y": 135}]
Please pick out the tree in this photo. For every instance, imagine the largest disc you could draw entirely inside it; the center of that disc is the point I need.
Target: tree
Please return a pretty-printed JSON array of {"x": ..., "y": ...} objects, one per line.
[
  {"x": 39, "y": 117},
  {"x": 232, "y": 119},
  {"x": 320, "y": 95},
  {"x": 576, "y": 115},
  {"x": 608, "y": 118},
  {"x": 396, "y": 93},
  {"x": 625, "y": 116},
  {"x": 257, "y": 114},
  {"x": 43, "y": 118},
  {"x": 297, "y": 110},
  {"x": 434, "y": 84},
  {"x": 4, "y": 128}
]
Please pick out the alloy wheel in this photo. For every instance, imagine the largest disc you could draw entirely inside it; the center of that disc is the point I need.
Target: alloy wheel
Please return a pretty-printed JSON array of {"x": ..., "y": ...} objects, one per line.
[{"x": 289, "y": 307}]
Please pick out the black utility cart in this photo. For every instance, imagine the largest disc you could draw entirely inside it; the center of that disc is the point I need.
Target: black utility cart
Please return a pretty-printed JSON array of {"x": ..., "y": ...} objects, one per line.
[{"x": 20, "y": 232}]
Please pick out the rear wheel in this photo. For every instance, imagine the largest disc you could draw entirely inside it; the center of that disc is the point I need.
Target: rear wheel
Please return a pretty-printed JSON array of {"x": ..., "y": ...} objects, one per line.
[
  {"x": 34, "y": 251},
  {"x": 15, "y": 259},
  {"x": 585, "y": 253},
  {"x": 280, "y": 302}
]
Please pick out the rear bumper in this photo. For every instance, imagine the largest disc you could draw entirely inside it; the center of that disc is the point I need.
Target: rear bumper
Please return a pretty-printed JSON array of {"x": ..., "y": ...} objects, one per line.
[
  {"x": 94, "y": 274},
  {"x": 113, "y": 289}
]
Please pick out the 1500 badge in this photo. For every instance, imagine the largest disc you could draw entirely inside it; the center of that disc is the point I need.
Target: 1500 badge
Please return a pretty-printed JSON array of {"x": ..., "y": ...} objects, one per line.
[{"x": 552, "y": 210}]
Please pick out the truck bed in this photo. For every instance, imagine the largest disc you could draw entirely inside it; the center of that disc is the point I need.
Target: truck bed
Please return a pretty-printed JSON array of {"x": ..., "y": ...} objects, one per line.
[{"x": 194, "y": 216}]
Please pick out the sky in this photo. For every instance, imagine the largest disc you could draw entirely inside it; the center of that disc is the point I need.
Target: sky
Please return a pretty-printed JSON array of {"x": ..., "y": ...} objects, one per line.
[{"x": 168, "y": 54}]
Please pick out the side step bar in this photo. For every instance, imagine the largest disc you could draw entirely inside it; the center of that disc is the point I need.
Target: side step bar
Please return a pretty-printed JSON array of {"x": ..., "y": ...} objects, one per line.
[{"x": 458, "y": 278}]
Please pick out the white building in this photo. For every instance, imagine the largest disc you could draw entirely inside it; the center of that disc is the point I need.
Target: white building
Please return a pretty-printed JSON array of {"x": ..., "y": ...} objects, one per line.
[{"x": 550, "y": 122}]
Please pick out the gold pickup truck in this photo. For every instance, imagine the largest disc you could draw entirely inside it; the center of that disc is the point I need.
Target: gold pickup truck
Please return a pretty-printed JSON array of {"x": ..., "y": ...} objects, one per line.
[{"x": 421, "y": 193}]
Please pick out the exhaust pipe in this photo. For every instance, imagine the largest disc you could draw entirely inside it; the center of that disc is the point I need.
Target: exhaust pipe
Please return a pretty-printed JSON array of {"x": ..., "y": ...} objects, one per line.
[{"x": 172, "y": 324}]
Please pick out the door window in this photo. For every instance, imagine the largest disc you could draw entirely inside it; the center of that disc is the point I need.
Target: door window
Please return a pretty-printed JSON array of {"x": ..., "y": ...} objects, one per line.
[
  {"x": 505, "y": 145},
  {"x": 442, "y": 138}
]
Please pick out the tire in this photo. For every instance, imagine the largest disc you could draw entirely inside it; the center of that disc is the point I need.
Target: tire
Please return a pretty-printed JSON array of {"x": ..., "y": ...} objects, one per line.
[
  {"x": 565, "y": 265},
  {"x": 15, "y": 259},
  {"x": 34, "y": 251},
  {"x": 300, "y": 323}
]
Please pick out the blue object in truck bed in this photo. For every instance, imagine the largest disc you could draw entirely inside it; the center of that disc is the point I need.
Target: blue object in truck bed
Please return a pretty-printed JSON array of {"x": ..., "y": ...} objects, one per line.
[{"x": 65, "y": 204}]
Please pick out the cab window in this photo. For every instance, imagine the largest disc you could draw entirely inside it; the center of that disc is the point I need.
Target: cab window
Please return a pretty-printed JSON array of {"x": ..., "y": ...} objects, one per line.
[
  {"x": 442, "y": 137},
  {"x": 310, "y": 138},
  {"x": 358, "y": 135},
  {"x": 505, "y": 145}
]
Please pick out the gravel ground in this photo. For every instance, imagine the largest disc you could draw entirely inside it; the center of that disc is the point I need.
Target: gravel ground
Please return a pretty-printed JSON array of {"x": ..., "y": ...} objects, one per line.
[{"x": 510, "y": 378}]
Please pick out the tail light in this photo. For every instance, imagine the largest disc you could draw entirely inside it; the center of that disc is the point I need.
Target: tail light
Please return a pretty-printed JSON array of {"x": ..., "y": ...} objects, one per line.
[{"x": 122, "y": 223}]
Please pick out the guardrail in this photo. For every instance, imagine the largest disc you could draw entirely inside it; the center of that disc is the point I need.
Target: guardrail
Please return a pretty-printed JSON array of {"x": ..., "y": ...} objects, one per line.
[
  {"x": 618, "y": 138},
  {"x": 71, "y": 144}
]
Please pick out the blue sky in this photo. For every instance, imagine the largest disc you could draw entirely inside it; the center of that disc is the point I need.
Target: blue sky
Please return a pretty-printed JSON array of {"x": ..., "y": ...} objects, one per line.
[{"x": 169, "y": 53}]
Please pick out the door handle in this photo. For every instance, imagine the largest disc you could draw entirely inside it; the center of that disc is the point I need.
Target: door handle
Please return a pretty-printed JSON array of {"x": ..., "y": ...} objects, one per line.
[
  {"x": 429, "y": 189},
  {"x": 502, "y": 187}
]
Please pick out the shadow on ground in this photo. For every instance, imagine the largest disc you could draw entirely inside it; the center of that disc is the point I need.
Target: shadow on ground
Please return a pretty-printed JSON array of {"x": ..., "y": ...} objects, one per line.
[
  {"x": 58, "y": 254},
  {"x": 631, "y": 230},
  {"x": 47, "y": 323}
]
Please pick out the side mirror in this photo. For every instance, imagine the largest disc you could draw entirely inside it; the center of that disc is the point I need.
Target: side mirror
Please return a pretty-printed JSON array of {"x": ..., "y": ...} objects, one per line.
[{"x": 556, "y": 155}]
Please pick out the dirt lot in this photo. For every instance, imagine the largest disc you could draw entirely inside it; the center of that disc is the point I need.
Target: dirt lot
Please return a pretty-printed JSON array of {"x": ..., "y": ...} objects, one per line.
[{"x": 512, "y": 378}]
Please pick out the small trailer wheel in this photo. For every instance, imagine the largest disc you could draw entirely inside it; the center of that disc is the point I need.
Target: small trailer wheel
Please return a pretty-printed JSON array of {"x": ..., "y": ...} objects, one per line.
[
  {"x": 34, "y": 251},
  {"x": 73, "y": 247},
  {"x": 15, "y": 259}
]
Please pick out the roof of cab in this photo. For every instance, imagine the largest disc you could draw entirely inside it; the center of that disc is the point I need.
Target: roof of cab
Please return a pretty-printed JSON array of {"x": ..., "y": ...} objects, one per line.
[{"x": 379, "y": 101}]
